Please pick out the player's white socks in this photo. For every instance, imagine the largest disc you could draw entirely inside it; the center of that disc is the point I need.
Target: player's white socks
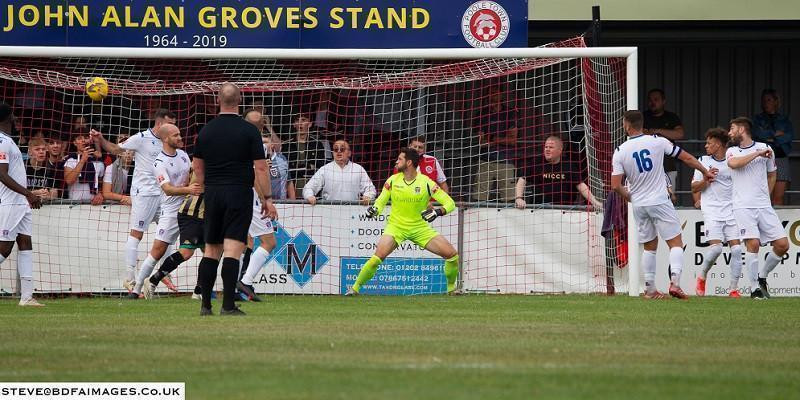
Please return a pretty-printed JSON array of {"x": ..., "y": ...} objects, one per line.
[
  {"x": 676, "y": 264},
  {"x": 649, "y": 268},
  {"x": 710, "y": 258},
  {"x": 25, "y": 270},
  {"x": 147, "y": 268},
  {"x": 770, "y": 264},
  {"x": 736, "y": 265},
  {"x": 751, "y": 260},
  {"x": 131, "y": 249},
  {"x": 257, "y": 260}
]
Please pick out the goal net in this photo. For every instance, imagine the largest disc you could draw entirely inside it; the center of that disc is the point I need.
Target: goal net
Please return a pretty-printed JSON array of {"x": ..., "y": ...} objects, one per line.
[{"x": 523, "y": 145}]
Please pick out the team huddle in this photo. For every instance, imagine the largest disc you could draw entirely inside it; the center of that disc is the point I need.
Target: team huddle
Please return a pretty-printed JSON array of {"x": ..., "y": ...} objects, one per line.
[{"x": 734, "y": 185}]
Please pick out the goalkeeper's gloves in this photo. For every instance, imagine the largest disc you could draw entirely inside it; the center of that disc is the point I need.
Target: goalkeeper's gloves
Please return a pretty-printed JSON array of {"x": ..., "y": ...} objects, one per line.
[
  {"x": 431, "y": 214},
  {"x": 372, "y": 212}
]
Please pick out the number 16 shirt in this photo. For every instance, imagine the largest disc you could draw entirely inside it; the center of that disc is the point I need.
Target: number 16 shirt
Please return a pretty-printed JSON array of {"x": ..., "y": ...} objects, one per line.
[{"x": 641, "y": 160}]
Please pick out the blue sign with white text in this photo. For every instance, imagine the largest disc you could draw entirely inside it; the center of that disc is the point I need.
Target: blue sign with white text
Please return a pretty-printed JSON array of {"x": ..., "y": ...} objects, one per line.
[
  {"x": 397, "y": 276},
  {"x": 265, "y": 24},
  {"x": 298, "y": 255}
]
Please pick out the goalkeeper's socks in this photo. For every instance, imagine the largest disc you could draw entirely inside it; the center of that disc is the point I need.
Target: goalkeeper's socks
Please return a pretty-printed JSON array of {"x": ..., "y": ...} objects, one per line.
[
  {"x": 676, "y": 265},
  {"x": 710, "y": 258},
  {"x": 207, "y": 275},
  {"x": 367, "y": 272},
  {"x": 257, "y": 260},
  {"x": 451, "y": 272},
  {"x": 769, "y": 264},
  {"x": 230, "y": 274}
]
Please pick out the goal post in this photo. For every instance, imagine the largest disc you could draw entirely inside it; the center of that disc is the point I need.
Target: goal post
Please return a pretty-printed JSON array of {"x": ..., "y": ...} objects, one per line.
[{"x": 378, "y": 100}]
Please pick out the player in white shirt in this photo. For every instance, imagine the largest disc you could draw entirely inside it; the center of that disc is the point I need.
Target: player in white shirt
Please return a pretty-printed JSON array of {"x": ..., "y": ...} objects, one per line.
[
  {"x": 171, "y": 169},
  {"x": 717, "y": 205},
  {"x": 640, "y": 160},
  {"x": 754, "y": 173},
  {"x": 145, "y": 193},
  {"x": 16, "y": 201},
  {"x": 340, "y": 179},
  {"x": 260, "y": 228}
]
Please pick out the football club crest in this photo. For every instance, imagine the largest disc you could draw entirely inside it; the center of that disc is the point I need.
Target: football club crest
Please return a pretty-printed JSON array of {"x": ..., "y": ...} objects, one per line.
[{"x": 485, "y": 24}]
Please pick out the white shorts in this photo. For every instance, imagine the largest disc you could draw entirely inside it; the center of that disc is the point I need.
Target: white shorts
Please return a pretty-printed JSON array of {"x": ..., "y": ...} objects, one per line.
[
  {"x": 259, "y": 226},
  {"x": 144, "y": 210},
  {"x": 15, "y": 219},
  {"x": 167, "y": 229},
  {"x": 658, "y": 220},
  {"x": 724, "y": 231},
  {"x": 759, "y": 223}
]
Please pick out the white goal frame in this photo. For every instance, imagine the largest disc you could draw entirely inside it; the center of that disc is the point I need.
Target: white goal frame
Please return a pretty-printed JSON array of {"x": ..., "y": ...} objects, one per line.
[{"x": 629, "y": 53}]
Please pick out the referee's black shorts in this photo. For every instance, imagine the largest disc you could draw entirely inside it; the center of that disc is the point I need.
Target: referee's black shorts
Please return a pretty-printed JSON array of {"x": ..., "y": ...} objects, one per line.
[{"x": 228, "y": 211}]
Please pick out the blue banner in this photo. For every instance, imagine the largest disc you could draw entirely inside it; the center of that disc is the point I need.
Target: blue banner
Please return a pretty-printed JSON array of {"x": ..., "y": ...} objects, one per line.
[
  {"x": 265, "y": 24},
  {"x": 397, "y": 276}
]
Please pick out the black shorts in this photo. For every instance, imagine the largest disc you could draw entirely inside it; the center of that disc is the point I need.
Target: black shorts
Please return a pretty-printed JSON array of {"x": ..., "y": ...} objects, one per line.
[
  {"x": 191, "y": 230},
  {"x": 228, "y": 211}
]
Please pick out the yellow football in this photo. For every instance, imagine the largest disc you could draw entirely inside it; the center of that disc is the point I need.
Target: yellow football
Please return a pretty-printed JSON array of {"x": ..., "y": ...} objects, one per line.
[{"x": 97, "y": 88}]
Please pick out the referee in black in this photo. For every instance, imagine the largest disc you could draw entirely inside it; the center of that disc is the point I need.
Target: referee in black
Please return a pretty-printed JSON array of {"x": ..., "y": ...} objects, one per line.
[{"x": 227, "y": 153}]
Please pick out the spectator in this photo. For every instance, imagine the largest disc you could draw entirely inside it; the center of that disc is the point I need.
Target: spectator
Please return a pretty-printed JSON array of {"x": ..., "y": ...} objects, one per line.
[
  {"x": 24, "y": 143},
  {"x": 497, "y": 132},
  {"x": 117, "y": 178},
  {"x": 775, "y": 129},
  {"x": 83, "y": 172},
  {"x": 41, "y": 180},
  {"x": 429, "y": 165},
  {"x": 304, "y": 152},
  {"x": 55, "y": 162},
  {"x": 554, "y": 181},
  {"x": 658, "y": 121},
  {"x": 79, "y": 125},
  {"x": 282, "y": 187},
  {"x": 260, "y": 120},
  {"x": 340, "y": 179}
]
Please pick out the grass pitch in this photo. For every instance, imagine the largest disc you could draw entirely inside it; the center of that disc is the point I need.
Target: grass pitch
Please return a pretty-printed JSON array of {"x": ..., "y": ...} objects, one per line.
[{"x": 436, "y": 347}]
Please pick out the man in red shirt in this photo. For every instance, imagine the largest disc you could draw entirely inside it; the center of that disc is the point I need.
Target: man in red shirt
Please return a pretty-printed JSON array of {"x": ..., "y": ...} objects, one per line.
[{"x": 428, "y": 165}]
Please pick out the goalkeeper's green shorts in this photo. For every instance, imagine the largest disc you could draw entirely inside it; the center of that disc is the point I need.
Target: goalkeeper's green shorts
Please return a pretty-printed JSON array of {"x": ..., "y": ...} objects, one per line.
[{"x": 419, "y": 235}]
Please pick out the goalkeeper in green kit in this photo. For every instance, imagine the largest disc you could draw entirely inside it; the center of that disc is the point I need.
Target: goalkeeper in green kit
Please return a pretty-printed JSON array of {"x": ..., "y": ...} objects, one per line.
[{"x": 410, "y": 192}]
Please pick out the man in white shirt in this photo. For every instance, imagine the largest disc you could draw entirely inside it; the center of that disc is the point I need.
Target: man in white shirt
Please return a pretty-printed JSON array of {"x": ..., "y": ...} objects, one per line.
[
  {"x": 172, "y": 174},
  {"x": 754, "y": 173},
  {"x": 145, "y": 191},
  {"x": 716, "y": 204},
  {"x": 340, "y": 179},
  {"x": 16, "y": 201},
  {"x": 641, "y": 160}
]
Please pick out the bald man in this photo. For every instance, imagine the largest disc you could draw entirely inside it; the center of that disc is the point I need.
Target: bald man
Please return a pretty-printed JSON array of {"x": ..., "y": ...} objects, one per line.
[
  {"x": 145, "y": 193},
  {"x": 229, "y": 158},
  {"x": 171, "y": 168}
]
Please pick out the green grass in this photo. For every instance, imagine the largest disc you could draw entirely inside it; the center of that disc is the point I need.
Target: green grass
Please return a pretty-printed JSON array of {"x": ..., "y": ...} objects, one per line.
[{"x": 471, "y": 347}]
